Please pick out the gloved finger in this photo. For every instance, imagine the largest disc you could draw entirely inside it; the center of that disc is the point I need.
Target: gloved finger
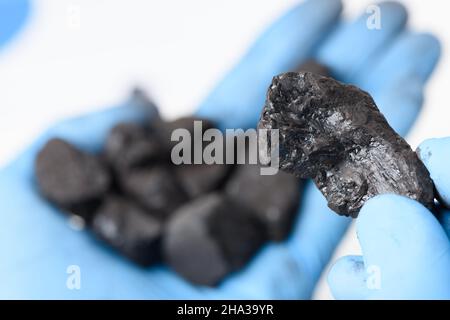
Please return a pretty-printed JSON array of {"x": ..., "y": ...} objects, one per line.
[
  {"x": 12, "y": 16},
  {"x": 397, "y": 80},
  {"x": 401, "y": 239},
  {"x": 348, "y": 279},
  {"x": 401, "y": 103},
  {"x": 354, "y": 44},
  {"x": 435, "y": 154},
  {"x": 411, "y": 55},
  {"x": 87, "y": 131},
  {"x": 316, "y": 233},
  {"x": 237, "y": 100},
  {"x": 445, "y": 221}
]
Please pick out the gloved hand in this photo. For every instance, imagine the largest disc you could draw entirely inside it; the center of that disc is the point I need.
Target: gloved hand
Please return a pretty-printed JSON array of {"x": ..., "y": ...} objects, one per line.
[
  {"x": 406, "y": 250},
  {"x": 37, "y": 246},
  {"x": 12, "y": 17}
]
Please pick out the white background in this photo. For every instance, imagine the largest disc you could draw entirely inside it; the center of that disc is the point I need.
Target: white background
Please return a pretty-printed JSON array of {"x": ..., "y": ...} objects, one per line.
[{"x": 56, "y": 69}]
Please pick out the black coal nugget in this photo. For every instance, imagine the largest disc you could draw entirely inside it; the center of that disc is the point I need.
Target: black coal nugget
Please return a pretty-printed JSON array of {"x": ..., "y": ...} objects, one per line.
[
  {"x": 72, "y": 179},
  {"x": 164, "y": 129},
  {"x": 210, "y": 237},
  {"x": 274, "y": 199},
  {"x": 155, "y": 188},
  {"x": 129, "y": 145},
  {"x": 139, "y": 97},
  {"x": 129, "y": 229},
  {"x": 199, "y": 179},
  {"x": 335, "y": 134}
]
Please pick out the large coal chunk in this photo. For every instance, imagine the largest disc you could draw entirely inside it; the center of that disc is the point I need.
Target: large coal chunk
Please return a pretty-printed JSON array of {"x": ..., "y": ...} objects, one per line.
[
  {"x": 210, "y": 237},
  {"x": 129, "y": 229},
  {"x": 70, "y": 178},
  {"x": 335, "y": 134},
  {"x": 274, "y": 199},
  {"x": 155, "y": 188},
  {"x": 129, "y": 145}
]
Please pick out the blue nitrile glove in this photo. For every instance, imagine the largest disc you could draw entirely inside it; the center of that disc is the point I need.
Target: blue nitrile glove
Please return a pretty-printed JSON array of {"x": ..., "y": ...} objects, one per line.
[
  {"x": 406, "y": 250},
  {"x": 37, "y": 246},
  {"x": 13, "y": 14}
]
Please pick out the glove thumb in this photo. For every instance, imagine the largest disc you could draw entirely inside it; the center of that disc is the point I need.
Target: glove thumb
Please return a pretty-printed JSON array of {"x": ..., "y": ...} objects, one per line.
[
  {"x": 406, "y": 254},
  {"x": 348, "y": 279}
]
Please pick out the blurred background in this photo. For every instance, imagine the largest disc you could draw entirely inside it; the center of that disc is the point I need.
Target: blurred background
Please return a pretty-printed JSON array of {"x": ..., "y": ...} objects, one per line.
[{"x": 75, "y": 56}]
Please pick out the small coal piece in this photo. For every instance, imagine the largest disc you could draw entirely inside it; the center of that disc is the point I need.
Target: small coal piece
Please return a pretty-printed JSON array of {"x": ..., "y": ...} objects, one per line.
[
  {"x": 209, "y": 238},
  {"x": 139, "y": 97},
  {"x": 314, "y": 66},
  {"x": 129, "y": 229},
  {"x": 164, "y": 129},
  {"x": 129, "y": 145},
  {"x": 155, "y": 188},
  {"x": 199, "y": 179},
  {"x": 273, "y": 198},
  {"x": 335, "y": 134},
  {"x": 70, "y": 178}
]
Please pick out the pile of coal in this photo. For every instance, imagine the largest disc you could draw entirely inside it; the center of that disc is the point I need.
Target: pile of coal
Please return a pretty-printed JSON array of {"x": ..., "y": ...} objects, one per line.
[
  {"x": 204, "y": 220},
  {"x": 335, "y": 134}
]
